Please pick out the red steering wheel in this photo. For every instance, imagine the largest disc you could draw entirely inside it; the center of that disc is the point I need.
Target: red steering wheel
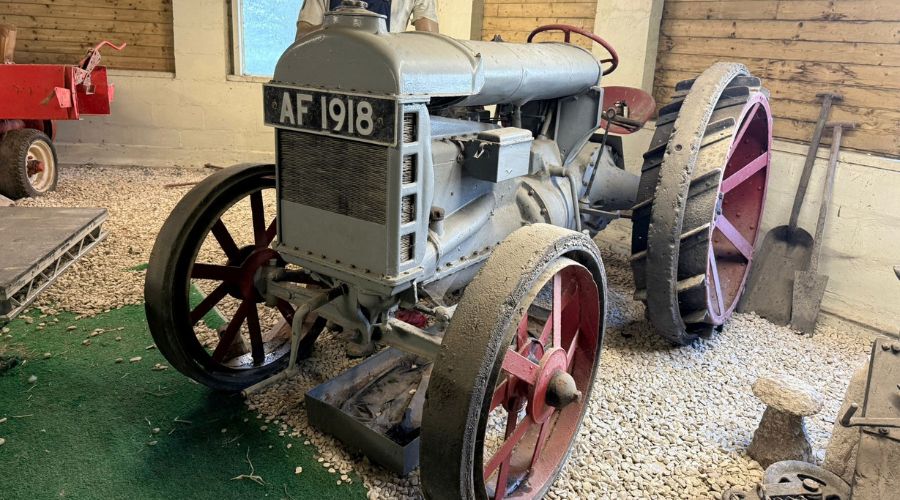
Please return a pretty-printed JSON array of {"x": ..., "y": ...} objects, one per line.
[{"x": 568, "y": 29}]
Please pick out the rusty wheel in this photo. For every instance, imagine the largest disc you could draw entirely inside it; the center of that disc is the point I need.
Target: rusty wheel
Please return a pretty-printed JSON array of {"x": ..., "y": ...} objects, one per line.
[
  {"x": 202, "y": 291},
  {"x": 513, "y": 379},
  {"x": 700, "y": 202}
]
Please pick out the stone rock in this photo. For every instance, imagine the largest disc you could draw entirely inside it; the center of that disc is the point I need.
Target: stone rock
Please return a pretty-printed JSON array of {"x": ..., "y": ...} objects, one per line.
[
  {"x": 780, "y": 436},
  {"x": 840, "y": 457},
  {"x": 788, "y": 394}
]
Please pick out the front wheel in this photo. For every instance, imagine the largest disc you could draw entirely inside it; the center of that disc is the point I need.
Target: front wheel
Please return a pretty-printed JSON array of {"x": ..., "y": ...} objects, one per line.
[
  {"x": 202, "y": 290},
  {"x": 513, "y": 378}
]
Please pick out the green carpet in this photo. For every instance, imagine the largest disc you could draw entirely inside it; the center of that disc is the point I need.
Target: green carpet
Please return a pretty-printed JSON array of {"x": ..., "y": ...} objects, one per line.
[{"x": 84, "y": 429}]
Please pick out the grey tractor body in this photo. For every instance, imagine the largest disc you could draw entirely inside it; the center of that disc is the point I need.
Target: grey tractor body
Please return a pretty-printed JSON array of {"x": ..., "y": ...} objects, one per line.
[{"x": 394, "y": 181}]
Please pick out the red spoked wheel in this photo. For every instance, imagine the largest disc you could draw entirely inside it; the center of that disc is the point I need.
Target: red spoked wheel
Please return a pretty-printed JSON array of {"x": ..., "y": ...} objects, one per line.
[
  {"x": 743, "y": 195},
  {"x": 500, "y": 422},
  {"x": 568, "y": 29},
  {"x": 203, "y": 288},
  {"x": 700, "y": 201}
]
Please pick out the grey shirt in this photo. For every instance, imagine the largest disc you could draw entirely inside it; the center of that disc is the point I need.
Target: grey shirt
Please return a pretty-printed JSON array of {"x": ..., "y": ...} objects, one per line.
[{"x": 403, "y": 12}]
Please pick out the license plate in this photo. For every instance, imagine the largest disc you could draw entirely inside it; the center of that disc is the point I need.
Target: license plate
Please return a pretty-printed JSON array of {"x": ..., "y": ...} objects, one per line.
[{"x": 352, "y": 116}]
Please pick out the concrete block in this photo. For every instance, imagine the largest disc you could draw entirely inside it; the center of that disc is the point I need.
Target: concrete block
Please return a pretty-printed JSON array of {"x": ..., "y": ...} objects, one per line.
[{"x": 184, "y": 117}]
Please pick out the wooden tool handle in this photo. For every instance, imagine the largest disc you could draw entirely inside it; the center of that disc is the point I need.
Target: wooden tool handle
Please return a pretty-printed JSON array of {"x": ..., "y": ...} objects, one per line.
[
  {"x": 827, "y": 100},
  {"x": 827, "y": 191}
]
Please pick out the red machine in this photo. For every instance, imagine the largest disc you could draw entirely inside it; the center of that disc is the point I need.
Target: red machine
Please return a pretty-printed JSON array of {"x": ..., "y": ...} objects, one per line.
[{"x": 32, "y": 97}]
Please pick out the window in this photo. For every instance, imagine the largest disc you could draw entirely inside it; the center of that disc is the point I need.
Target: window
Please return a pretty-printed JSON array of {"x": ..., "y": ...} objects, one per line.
[{"x": 263, "y": 29}]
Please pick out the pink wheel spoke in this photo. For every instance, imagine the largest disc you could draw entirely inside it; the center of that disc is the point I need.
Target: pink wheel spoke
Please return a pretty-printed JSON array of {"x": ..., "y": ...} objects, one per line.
[
  {"x": 520, "y": 367},
  {"x": 503, "y": 475},
  {"x": 225, "y": 240},
  {"x": 745, "y": 126},
  {"x": 736, "y": 179},
  {"x": 734, "y": 236},
  {"x": 539, "y": 445},
  {"x": 714, "y": 266},
  {"x": 271, "y": 231},
  {"x": 499, "y": 394},
  {"x": 231, "y": 331},
  {"x": 570, "y": 353},
  {"x": 522, "y": 332},
  {"x": 257, "y": 211},
  {"x": 554, "y": 322},
  {"x": 557, "y": 310},
  {"x": 502, "y": 478},
  {"x": 545, "y": 332},
  {"x": 256, "y": 340},
  {"x": 214, "y": 272},
  {"x": 208, "y": 303},
  {"x": 509, "y": 445}
]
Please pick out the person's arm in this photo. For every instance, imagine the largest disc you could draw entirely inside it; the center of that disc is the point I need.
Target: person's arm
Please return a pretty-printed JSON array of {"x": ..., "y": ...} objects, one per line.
[
  {"x": 304, "y": 28},
  {"x": 312, "y": 14},
  {"x": 424, "y": 16},
  {"x": 426, "y": 24}
]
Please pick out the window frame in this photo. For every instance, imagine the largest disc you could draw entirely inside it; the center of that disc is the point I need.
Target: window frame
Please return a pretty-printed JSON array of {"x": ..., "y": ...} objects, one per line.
[
  {"x": 236, "y": 43},
  {"x": 237, "y": 38}
]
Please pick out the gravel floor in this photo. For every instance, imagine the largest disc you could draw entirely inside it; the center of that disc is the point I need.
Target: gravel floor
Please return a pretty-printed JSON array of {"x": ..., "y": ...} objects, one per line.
[{"x": 664, "y": 423}]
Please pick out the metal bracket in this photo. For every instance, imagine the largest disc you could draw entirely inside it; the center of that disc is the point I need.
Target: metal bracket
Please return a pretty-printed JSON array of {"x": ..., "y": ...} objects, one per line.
[
  {"x": 410, "y": 338},
  {"x": 848, "y": 420},
  {"x": 881, "y": 410}
]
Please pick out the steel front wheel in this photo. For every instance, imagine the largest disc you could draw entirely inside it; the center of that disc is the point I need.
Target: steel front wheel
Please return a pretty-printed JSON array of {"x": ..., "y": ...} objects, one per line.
[
  {"x": 202, "y": 291},
  {"x": 27, "y": 164},
  {"x": 512, "y": 382}
]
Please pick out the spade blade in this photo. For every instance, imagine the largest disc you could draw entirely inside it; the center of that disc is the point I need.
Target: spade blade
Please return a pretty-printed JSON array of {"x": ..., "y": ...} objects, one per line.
[{"x": 771, "y": 282}]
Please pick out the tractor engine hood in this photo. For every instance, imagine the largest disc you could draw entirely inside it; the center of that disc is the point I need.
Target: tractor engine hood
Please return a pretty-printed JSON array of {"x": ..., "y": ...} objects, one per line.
[{"x": 353, "y": 52}]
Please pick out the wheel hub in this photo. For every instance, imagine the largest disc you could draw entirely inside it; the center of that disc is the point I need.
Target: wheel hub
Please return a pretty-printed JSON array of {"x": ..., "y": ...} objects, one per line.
[
  {"x": 35, "y": 167},
  {"x": 562, "y": 390},
  {"x": 551, "y": 390},
  {"x": 248, "y": 280}
]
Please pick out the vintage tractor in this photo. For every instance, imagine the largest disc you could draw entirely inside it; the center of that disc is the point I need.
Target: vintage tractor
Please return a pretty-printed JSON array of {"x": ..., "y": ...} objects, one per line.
[{"x": 410, "y": 216}]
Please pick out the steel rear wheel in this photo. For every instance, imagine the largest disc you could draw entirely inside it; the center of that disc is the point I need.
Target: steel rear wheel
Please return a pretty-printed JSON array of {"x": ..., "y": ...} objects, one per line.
[
  {"x": 513, "y": 379},
  {"x": 700, "y": 202},
  {"x": 202, "y": 290}
]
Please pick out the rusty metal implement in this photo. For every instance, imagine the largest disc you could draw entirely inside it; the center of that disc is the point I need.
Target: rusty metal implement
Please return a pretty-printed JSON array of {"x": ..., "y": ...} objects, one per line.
[{"x": 809, "y": 285}]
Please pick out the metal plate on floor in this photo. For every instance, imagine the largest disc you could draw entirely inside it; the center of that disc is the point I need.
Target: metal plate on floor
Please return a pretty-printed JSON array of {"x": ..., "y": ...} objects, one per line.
[
  {"x": 36, "y": 245},
  {"x": 375, "y": 408}
]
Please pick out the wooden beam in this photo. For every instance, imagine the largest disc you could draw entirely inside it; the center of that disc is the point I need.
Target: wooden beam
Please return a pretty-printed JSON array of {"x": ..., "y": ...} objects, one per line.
[{"x": 816, "y": 31}]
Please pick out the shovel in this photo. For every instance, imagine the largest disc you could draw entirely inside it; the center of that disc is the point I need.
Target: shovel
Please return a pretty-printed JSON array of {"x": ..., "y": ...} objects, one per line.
[
  {"x": 785, "y": 249},
  {"x": 809, "y": 285}
]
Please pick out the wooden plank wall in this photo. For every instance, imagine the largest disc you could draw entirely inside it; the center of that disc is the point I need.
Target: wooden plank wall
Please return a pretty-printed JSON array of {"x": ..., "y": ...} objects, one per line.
[
  {"x": 799, "y": 48},
  {"x": 515, "y": 19},
  {"x": 61, "y": 31}
]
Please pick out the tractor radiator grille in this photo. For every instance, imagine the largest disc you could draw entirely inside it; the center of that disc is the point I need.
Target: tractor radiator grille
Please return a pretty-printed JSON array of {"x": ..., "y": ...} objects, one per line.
[
  {"x": 336, "y": 175},
  {"x": 407, "y": 247},
  {"x": 408, "y": 174}
]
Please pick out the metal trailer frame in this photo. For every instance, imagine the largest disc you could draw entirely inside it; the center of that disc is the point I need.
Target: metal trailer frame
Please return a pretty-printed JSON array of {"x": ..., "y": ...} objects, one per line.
[{"x": 38, "y": 245}]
